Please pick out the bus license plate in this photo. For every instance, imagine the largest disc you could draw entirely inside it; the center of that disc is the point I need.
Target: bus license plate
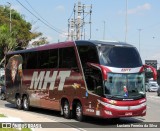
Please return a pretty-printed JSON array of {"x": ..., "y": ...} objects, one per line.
[{"x": 128, "y": 113}]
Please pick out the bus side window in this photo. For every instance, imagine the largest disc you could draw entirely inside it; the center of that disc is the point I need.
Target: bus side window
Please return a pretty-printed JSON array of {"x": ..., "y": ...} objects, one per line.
[
  {"x": 49, "y": 59},
  {"x": 93, "y": 77},
  {"x": 53, "y": 58},
  {"x": 43, "y": 59},
  {"x": 88, "y": 54},
  {"x": 94, "y": 82},
  {"x": 31, "y": 58},
  {"x": 67, "y": 58}
]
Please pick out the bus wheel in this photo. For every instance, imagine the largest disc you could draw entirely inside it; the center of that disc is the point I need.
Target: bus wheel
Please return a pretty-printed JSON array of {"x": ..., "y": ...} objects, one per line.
[
  {"x": 66, "y": 110},
  {"x": 115, "y": 119},
  {"x": 79, "y": 113},
  {"x": 18, "y": 103},
  {"x": 25, "y": 103}
]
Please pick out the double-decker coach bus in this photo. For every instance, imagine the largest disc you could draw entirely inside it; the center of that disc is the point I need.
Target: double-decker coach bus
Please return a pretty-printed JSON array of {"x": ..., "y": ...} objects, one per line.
[{"x": 82, "y": 78}]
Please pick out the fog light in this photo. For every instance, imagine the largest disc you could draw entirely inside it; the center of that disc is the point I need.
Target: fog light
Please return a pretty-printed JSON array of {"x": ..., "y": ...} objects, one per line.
[{"x": 108, "y": 112}]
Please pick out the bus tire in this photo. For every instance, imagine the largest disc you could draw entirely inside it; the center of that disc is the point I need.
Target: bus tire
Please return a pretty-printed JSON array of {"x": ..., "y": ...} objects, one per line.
[
  {"x": 18, "y": 103},
  {"x": 66, "y": 110},
  {"x": 116, "y": 120},
  {"x": 25, "y": 103},
  {"x": 79, "y": 112}
]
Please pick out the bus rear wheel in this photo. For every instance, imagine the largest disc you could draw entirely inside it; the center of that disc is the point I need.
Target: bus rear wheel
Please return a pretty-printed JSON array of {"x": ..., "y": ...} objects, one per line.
[
  {"x": 66, "y": 110},
  {"x": 18, "y": 103},
  {"x": 25, "y": 103},
  {"x": 79, "y": 113}
]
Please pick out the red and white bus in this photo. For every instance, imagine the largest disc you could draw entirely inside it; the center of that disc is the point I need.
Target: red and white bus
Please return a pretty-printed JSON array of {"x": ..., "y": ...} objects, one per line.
[{"x": 82, "y": 78}]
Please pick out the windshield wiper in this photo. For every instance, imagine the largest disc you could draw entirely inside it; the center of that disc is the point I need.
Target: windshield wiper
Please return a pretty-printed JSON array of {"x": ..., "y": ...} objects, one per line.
[{"x": 114, "y": 96}]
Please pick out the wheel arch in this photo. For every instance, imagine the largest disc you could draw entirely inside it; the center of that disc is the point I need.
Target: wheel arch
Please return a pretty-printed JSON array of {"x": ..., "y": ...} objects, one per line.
[
  {"x": 63, "y": 99},
  {"x": 25, "y": 94},
  {"x": 75, "y": 101},
  {"x": 18, "y": 95}
]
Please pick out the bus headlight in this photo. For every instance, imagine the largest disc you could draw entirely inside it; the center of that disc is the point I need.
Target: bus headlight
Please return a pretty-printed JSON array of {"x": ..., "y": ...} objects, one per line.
[{"x": 108, "y": 112}]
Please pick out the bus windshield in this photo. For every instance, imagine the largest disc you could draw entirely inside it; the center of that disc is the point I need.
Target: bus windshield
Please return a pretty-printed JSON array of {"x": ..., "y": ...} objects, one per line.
[
  {"x": 119, "y": 56},
  {"x": 125, "y": 86}
]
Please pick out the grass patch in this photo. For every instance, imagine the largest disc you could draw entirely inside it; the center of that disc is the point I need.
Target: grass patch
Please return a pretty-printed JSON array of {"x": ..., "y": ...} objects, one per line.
[
  {"x": 9, "y": 129},
  {"x": 2, "y": 115},
  {"x": 26, "y": 129},
  {"x": 13, "y": 129}
]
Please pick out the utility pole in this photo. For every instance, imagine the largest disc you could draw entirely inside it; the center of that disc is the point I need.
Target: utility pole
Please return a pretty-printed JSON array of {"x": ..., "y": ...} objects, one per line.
[
  {"x": 10, "y": 18},
  {"x": 76, "y": 25},
  {"x": 68, "y": 29},
  {"x": 72, "y": 31},
  {"x": 90, "y": 22},
  {"x": 139, "y": 39},
  {"x": 79, "y": 20}
]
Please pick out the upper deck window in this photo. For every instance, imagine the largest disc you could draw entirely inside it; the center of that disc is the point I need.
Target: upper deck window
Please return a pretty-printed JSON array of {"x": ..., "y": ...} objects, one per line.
[
  {"x": 119, "y": 56},
  {"x": 88, "y": 54},
  {"x": 67, "y": 58}
]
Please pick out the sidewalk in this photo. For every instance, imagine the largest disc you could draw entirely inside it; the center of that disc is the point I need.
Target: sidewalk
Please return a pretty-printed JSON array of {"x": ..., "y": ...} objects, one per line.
[{"x": 28, "y": 117}]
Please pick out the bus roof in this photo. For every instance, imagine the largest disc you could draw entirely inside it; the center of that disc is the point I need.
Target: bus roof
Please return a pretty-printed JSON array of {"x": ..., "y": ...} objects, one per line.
[
  {"x": 102, "y": 42},
  {"x": 46, "y": 47},
  {"x": 72, "y": 43}
]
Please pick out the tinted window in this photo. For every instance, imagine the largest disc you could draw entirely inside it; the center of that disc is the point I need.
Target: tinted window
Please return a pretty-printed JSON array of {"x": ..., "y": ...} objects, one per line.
[
  {"x": 48, "y": 59},
  {"x": 53, "y": 58},
  {"x": 31, "y": 58},
  {"x": 43, "y": 59},
  {"x": 126, "y": 57},
  {"x": 67, "y": 58},
  {"x": 24, "y": 65},
  {"x": 88, "y": 54}
]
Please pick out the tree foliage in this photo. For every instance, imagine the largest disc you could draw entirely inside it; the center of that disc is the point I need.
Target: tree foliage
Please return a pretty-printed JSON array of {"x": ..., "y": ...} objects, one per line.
[
  {"x": 20, "y": 34},
  {"x": 41, "y": 41}
]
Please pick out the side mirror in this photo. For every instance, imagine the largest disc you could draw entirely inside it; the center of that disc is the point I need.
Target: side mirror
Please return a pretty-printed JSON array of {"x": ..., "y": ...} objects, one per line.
[{"x": 153, "y": 70}]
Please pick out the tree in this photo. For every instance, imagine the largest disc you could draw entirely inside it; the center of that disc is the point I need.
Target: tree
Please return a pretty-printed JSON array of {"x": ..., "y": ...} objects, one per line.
[
  {"x": 41, "y": 41},
  {"x": 20, "y": 34}
]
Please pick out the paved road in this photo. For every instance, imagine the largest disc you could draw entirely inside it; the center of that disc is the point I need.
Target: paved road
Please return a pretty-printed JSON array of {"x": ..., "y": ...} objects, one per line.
[{"x": 153, "y": 115}]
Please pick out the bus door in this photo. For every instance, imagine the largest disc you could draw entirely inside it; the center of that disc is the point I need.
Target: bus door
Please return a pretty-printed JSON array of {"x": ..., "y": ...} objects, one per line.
[
  {"x": 92, "y": 76},
  {"x": 94, "y": 83}
]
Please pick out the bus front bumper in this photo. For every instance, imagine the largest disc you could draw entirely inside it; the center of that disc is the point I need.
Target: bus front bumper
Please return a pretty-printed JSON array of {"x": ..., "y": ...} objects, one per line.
[{"x": 114, "y": 111}]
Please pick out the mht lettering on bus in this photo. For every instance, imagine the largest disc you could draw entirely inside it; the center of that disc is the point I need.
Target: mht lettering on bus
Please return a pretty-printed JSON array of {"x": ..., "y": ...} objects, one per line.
[{"x": 45, "y": 77}]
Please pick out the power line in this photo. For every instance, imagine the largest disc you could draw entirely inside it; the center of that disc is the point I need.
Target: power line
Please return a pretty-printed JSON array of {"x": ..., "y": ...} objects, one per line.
[
  {"x": 41, "y": 16},
  {"x": 40, "y": 19},
  {"x": 71, "y": 14}
]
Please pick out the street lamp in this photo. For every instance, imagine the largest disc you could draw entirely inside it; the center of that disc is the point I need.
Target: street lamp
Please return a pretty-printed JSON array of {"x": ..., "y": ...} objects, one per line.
[
  {"x": 10, "y": 17},
  {"x": 126, "y": 21}
]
